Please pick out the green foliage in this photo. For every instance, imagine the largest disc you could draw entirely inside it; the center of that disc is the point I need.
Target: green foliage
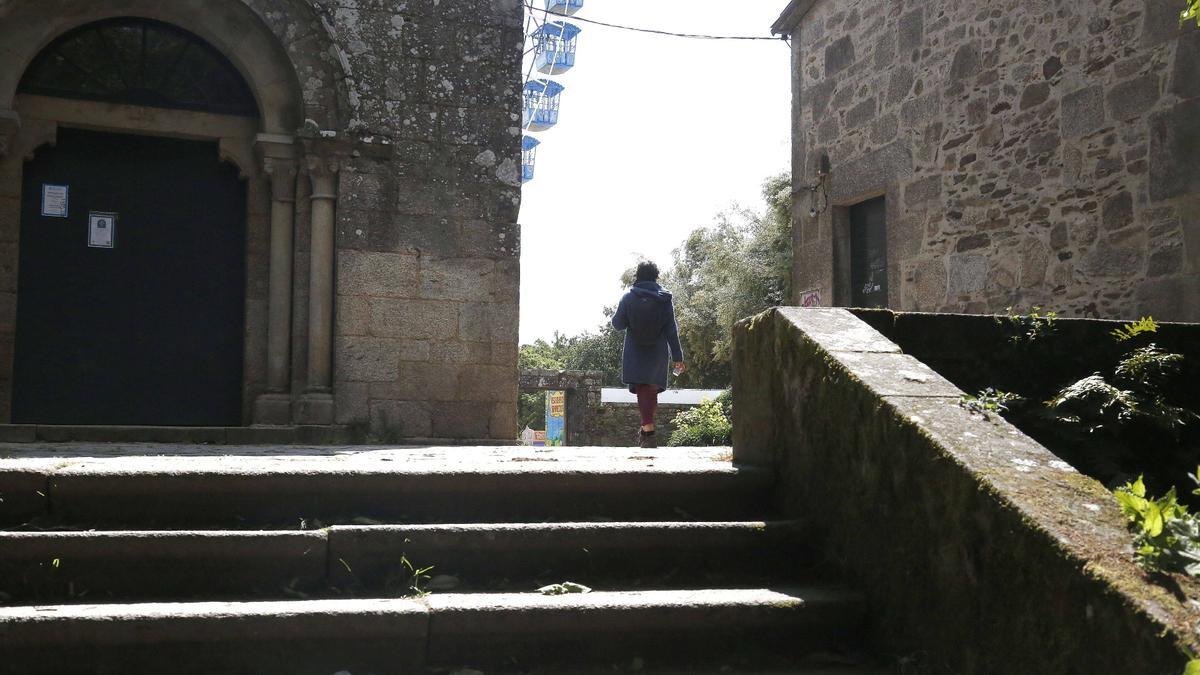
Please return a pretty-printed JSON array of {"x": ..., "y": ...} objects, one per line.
[
  {"x": 593, "y": 350},
  {"x": 410, "y": 580},
  {"x": 989, "y": 401},
  {"x": 706, "y": 424},
  {"x": 721, "y": 274},
  {"x": 1149, "y": 367},
  {"x": 1146, "y": 324},
  {"x": 1193, "y": 666},
  {"x": 1191, "y": 12},
  {"x": 1094, "y": 404},
  {"x": 1029, "y": 328},
  {"x": 730, "y": 270},
  {"x": 1167, "y": 537}
]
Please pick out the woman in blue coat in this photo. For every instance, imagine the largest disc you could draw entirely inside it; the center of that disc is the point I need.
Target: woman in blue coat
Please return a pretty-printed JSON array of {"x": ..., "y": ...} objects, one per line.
[{"x": 647, "y": 315}]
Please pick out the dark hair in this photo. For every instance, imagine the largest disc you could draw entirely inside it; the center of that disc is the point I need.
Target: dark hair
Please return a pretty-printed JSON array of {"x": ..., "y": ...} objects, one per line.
[{"x": 646, "y": 271}]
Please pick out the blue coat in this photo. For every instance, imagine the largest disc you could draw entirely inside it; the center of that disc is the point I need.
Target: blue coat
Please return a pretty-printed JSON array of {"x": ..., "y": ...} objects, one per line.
[{"x": 648, "y": 364}]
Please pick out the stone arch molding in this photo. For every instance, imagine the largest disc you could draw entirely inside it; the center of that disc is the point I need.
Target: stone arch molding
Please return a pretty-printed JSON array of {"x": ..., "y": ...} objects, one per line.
[
  {"x": 275, "y": 48},
  {"x": 287, "y": 55}
]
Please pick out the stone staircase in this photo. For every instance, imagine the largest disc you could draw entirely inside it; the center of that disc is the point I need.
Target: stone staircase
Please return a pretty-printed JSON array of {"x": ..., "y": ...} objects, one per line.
[{"x": 195, "y": 559}]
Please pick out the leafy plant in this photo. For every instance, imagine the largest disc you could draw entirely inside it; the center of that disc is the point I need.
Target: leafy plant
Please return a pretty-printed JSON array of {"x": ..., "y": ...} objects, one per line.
[
  {"x": 1191, "y": 12},
  {"x": 706, "y": 424},
  {"x": 1149, "y": 367},
  {"x": 1167, "y": 537},
  {"x": 1146, "y": 324},
  {"x": 411, "y": 577},
  {"x": 989, "y": 401},
  {"x": 1029, "y": 328},
  {"x": 1096, "y": 404}
]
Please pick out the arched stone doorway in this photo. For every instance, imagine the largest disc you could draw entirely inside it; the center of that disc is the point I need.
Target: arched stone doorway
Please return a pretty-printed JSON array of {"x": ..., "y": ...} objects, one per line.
[
  {"x": 131, "y": 282},
  {"x": 242, "y": 105}
]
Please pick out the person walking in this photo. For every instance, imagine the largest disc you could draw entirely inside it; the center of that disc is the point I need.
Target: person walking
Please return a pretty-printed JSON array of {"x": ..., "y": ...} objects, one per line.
[{"x": 647, "y": 315}]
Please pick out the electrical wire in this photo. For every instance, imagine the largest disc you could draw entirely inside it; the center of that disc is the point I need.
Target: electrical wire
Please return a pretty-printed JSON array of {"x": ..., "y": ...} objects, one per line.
[{"x": 652, "y": 31}]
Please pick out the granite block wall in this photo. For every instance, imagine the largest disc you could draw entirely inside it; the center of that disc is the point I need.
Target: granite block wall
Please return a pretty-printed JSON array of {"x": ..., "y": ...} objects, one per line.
[
  {"x": 428, "y": 244},
  {"x": 1030, "y": 152}
]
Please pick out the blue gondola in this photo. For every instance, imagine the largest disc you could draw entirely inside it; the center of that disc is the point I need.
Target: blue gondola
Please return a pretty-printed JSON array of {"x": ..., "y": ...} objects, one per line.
[
  {"x": 542, "y": 98},
  {"x": 528, "y": 157},
  {"x": 564, "y": 7},
  {"x": 554, "y": 44}
]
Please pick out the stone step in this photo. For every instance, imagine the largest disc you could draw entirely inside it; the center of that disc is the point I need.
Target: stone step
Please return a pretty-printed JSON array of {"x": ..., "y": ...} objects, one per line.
[
  {"x": 102, "y": 566},
  {"x": 413, "y": 635},
  {"x": 169, "y": 493}
]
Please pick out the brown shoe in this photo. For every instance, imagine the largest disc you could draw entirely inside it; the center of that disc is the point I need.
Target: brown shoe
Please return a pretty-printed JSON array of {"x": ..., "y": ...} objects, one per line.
[{"x": 647, "y": 439}]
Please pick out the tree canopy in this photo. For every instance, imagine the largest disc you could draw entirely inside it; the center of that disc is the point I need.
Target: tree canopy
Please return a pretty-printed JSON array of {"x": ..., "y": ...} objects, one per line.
[
  {"x": 723, "y": 273},
  {"x": 720, "y": 274}
]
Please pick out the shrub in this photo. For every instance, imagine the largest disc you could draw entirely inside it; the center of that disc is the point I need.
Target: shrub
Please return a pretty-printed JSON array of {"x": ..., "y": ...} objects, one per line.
[{"x": 706, "y": 424}]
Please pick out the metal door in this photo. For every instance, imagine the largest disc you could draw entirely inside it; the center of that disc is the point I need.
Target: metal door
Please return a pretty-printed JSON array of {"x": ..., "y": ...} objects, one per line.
[
  {"x": 141, "y": 324},
  {"x": 868, "y": 254}
]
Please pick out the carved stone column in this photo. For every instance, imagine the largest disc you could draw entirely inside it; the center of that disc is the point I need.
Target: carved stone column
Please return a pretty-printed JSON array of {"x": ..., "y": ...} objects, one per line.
[
  {"x": 316, "y": 405},
  {"x": 278, "y": 154}
]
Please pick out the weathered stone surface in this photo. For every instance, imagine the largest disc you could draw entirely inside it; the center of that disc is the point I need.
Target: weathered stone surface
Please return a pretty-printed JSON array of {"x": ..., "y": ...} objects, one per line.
[
  {"x": 968, "y": 273},
  {"x": 839, "y": 55},
  {"x": 1035, "y": 95},
  {"x": 912, "y": 30},
  {"x": 924, "y": 190},
  {"x": 967, "y": 62},
  {"x": 1083, "y": 112},
  {"x": 1184, "y": 82},
  {"x": 950, "y": 481},
  {"x": 1027, "y": 140},
  {"x": 391, "y": 420},
  {"x": 462, "y": 279},
  {"x": 872, "y": 172},
  {"x": 861, "y": 114},
  {"x": 414, "y": 319},
  {"x": 385, "y": 275},
  {"x": 1175, "y": 151},
  {"x": 1118, "y": 211},
  {"x": 1133, "y": 98},
  {"x": 487, "y": 322},
  {"x": 365, "y": 359},
  {"x": 1124, "y": 259},
  {"x": 459, "y": 419},
  {"x": 487, "y": 383}
]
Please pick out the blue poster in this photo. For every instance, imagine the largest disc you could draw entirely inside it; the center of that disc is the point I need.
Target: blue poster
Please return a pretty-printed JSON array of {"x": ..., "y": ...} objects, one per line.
[{"x": 556, "y": 417}]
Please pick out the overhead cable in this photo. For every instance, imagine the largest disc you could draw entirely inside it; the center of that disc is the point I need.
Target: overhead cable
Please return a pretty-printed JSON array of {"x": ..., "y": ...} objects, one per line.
[{"x": 652, "y": 31}]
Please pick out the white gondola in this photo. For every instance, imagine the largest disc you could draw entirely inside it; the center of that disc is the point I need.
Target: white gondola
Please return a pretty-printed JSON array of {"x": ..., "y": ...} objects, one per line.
[{"x": 564, "y": 7}]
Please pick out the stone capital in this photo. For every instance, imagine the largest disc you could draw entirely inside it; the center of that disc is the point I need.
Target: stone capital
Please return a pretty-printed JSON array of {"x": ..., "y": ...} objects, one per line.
[
  {"x": 323, "y": 160},
  {"x": 282, "y": 174},
  {"x": 278, "y": 156}
]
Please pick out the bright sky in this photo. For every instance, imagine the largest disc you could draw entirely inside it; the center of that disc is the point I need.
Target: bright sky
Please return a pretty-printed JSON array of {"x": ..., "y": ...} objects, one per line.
[{"x": 656, "y": 135}]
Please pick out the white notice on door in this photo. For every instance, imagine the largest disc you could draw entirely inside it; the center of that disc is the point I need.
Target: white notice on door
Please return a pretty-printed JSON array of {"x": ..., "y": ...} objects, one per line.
[
  {"x": 102, "y": 229},
  {"x": 54, "y": 200}
]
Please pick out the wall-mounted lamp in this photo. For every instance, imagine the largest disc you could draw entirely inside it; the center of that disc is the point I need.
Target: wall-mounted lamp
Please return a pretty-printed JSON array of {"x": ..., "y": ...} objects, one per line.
[{"x": 818, "y": 193}]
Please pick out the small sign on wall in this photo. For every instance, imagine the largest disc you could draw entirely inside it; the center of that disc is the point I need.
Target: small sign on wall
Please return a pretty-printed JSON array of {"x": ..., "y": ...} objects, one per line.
[
  {"x": 102, "y": 229},
  {"x": 55, "y": 200},
  {"x": 810, "y": 298}
]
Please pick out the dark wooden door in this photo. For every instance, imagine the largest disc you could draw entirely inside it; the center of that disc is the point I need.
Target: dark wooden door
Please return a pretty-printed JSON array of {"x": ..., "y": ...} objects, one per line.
[
  {"x": 149, "y": 331},
  {"x": 868, "y": 254}
]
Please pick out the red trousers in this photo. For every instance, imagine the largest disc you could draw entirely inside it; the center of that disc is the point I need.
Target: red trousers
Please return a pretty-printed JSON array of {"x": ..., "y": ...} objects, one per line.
[{"x": 647, "y": 395}]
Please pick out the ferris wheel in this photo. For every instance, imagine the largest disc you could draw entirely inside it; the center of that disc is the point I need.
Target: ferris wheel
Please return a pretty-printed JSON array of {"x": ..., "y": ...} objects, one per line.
[{"x": 550, "y": 45}]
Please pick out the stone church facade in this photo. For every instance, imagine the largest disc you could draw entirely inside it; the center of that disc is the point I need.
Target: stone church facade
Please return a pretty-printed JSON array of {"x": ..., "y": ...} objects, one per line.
[
  {"x": 261, "y": 212},
  {"x": 984, "y": 154}
]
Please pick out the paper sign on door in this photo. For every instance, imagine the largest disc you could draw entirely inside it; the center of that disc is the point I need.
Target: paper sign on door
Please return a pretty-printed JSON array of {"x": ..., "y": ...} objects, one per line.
[
  {"x": 55, "y": 200},
  {"x": 102, "y": 229}
]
